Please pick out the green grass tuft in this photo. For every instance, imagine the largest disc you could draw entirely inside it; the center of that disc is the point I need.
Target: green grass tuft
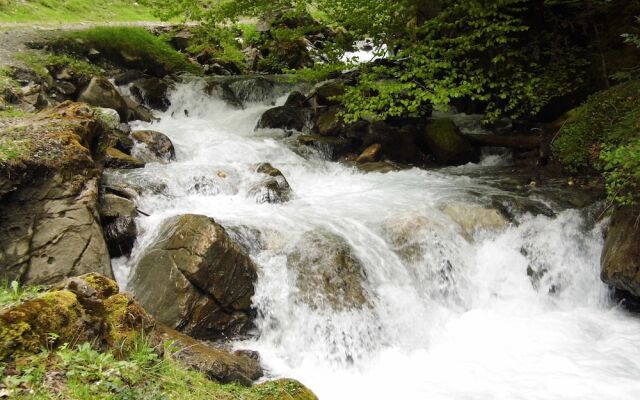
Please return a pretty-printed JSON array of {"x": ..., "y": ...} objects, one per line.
[{"x": 12, "y": 293}]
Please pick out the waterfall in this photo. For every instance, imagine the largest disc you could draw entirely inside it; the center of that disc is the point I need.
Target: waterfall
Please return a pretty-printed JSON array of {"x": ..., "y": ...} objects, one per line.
[{"x": 427, "y": 307}]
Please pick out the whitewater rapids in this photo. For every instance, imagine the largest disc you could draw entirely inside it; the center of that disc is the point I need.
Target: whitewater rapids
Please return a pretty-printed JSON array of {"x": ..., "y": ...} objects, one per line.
[{"x": 481, "y": 328}]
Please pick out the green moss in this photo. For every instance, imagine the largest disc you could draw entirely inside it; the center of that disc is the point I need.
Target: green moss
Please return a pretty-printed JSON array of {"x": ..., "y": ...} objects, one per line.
[
  {"x": 25, "y": 328},
  {"x": 104, "y": 286},
  {"x": 445, "y": 134},
  {"x": 603, "y": 136},
  {"x": 129, "y": 46},
  {"x": 607, "y": 118}
]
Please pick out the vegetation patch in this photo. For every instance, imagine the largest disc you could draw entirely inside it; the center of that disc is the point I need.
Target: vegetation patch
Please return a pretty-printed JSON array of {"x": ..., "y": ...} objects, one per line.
[
  {"x": 81, "y": 372},
  {"x": 129, "y": 46},
  {"x": 602, "y": 135},
  {"x": 43, "y": 64},
  {"x": 49, "y": 11}
]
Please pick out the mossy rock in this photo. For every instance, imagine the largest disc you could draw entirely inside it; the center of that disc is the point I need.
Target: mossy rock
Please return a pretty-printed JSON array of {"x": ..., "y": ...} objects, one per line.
[
  {"x": 125, "y": 320},
  {"x": 28, "y": 327},
  {"x": 284, "y": 389},
  {"x": 447, "y": 145}
]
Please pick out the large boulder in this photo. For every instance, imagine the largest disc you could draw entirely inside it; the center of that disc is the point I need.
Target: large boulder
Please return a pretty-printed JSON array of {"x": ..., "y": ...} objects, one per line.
[
  {"x": 158, "y": 146},
  {"x": 49, "y": 223},
  {"x": 621, "y": 254},
  {"x": 475, "y": 217},
  {"x": 101, "y": 93},
  {"x": 284, "y": 117},
  {"x": 273, "y": 188},
  {"x": 239, "y": 367},
  {"x": 329, "y": 273},
  {"x": 196, "y": 279},
  {"x": 152, "y": 92},
  {"x": 447, "y": 144}
]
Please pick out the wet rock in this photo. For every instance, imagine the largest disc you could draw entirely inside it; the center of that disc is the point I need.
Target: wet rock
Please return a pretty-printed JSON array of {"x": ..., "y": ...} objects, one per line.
[
  {"x": 382, "y": 167},
  {"x": 159, "y": 146},
  {"x": 283, "y": 117},
  {"x": 115, "y": 158},
  {"x": 66, "y": 88},
  {"x": 118, "y": 218},
  {"x": 473, "y": 217},
  {"x": 325, "y": 93},
  {"x": 108, "y": 116},
  {"x": 202, "y": 281},
  {"x": 101, "y": 93},
  {"x": 128, "y": 76},
  {"x": 217, "y": 364},
  {"x": 253, "y": 89},
  {"x": 138, "y": 112},
  {"x": 113, "y": 205},
  {"x": 327, "y": 122},
  {"x": 296, "y": 99},
  {"x": 49, "y": 225},
  {"x": 370, "y": 154},
  {"x": 152, "y": 92},
  {"x": 621, "y": 254},
  {"x": 273, "y": 189},
  {"x": 447, "y": 145},
  {"x": 332, "y": 147},
  {"x": 328, "y": 272}
]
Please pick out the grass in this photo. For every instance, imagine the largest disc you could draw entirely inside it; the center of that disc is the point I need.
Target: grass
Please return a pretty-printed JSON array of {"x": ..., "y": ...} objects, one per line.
[
  {"x": 43, "y": 63},
  {"x": 61, "y": 11},
  {"x": 137, "y": 43},
  {"x": 12, "y": 293},
  {"x": 84, "y": 373}
]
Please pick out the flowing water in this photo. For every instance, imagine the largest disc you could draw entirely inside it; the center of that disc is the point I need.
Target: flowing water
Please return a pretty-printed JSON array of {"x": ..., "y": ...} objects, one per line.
[{"x": 513, "y": 313}]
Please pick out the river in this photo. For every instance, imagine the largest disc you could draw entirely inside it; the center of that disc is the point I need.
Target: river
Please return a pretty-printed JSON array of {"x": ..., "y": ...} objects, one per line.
[{"x": 517, "y": 312}]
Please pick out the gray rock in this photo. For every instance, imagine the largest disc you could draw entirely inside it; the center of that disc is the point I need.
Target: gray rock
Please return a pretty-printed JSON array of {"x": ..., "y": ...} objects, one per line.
[
  {"x": 272, "y": 189},
  {"x": 195, "y": 279},
  {"x": 101, "y": 93},
  {"x": 328, "y": 272},
  {"x": 159, "y": 146},
  {"x": 152, "y": 92},
  {"x": 49, "y": 230}
]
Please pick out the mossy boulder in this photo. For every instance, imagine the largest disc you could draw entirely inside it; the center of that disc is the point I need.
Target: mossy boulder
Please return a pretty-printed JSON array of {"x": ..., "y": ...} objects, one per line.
[
  {"x": 447, "y": 145},
  {"x": 621, "y": 254},
  {"x": 49, "y": 225},
  {"x": 27, "y": 327},
  {"x": 284, "y": 389},
  {"x": 194, "y": 278},
  {"x": 91, "y": 308}
]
